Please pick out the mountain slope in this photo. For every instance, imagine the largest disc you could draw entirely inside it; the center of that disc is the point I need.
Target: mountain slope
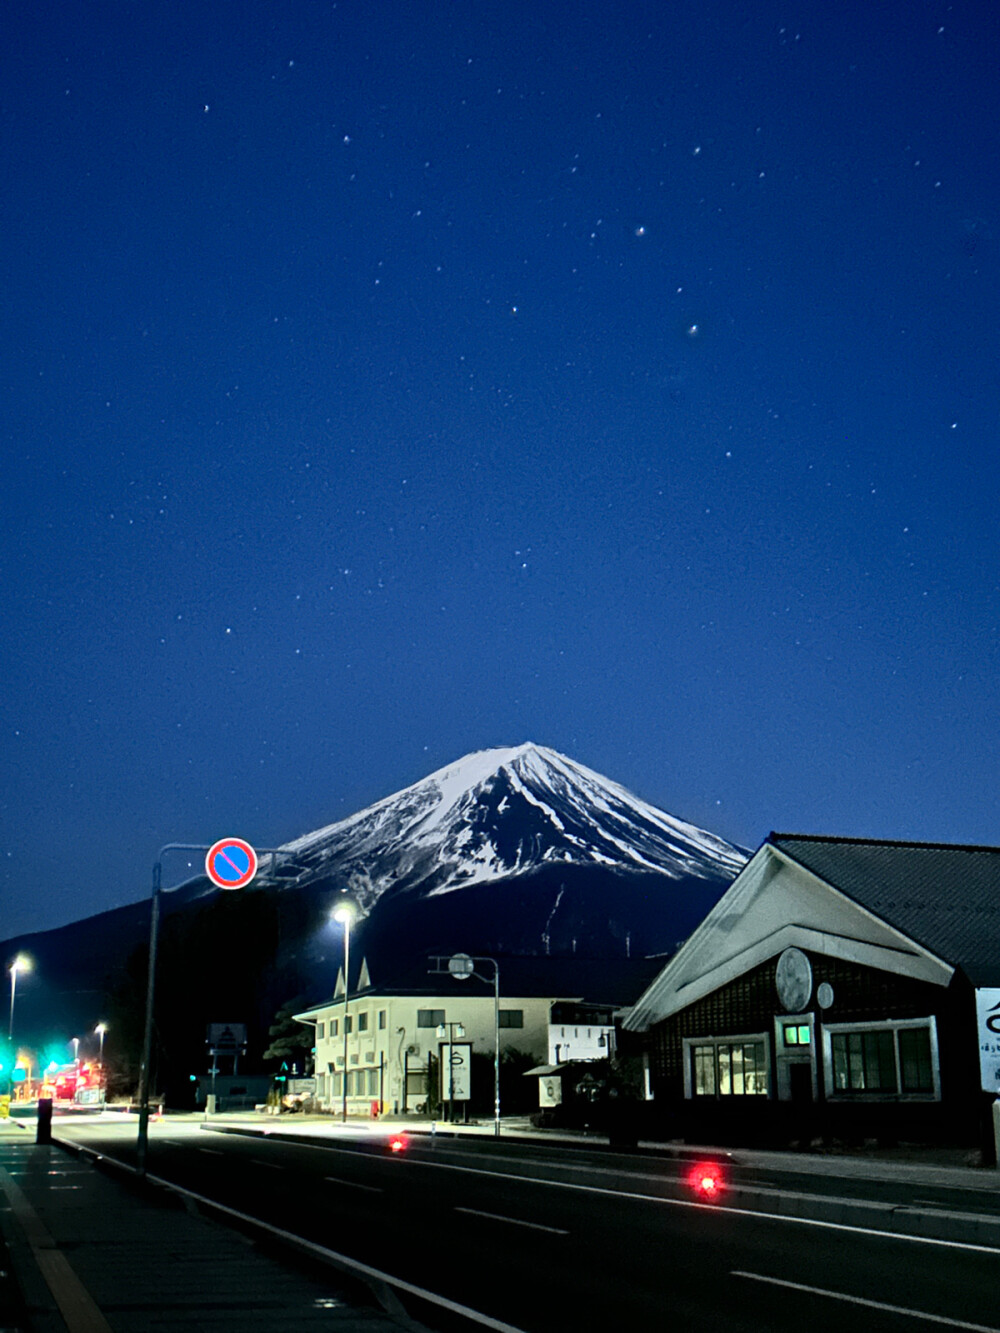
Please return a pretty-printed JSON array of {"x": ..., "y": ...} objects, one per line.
[{"x": 496, "y": 814}]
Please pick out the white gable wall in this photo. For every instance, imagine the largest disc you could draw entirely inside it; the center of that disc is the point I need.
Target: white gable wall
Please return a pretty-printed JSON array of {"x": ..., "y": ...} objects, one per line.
[{"x": 774, "y": 903}]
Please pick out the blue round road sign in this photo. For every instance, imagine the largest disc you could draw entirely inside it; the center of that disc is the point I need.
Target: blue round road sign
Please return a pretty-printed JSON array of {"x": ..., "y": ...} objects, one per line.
[{"x": 231, "y": 863}]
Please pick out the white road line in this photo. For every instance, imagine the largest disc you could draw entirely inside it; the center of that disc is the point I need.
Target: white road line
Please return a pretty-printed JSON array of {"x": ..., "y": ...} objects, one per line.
[
  {"x": 353, "y": 1184},
  {"x": 515, "y": 1221},
  {"x": 948, "y": 1320},
  {"x": 272, "y": 1165},
  {"x": 342, "y": 1260},
  {"x": 213, "y": 1152}
]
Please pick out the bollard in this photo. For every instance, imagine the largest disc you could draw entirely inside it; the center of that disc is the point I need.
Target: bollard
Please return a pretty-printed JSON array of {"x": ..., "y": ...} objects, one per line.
[{"x": 43, "y": 1133}]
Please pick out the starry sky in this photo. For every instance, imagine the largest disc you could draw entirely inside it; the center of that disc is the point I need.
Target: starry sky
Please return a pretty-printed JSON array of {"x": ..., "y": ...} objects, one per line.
[{"x": 382, "y": 382}]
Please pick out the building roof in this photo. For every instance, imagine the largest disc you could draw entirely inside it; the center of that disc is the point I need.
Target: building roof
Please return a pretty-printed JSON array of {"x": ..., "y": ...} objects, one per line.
[
  {"x": 945, "y": 897},
  {"x": 614, "y": 982}
]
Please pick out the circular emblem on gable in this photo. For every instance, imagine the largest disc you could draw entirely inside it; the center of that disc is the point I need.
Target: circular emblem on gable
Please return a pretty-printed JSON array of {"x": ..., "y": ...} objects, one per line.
[
  {"x": 824, "y": 995},
  {"x": 794, "y": 980}
]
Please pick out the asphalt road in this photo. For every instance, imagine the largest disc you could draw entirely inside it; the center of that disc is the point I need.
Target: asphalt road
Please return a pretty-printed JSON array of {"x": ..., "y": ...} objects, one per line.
[{"x": 546, "y": 1238}]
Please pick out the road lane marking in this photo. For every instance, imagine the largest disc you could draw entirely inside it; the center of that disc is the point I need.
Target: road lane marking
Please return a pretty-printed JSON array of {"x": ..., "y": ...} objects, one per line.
[
  {"x": 376, "y": 1277},
  {"x": 353, "y": 1184},
  {"x": 213, "y": 1152},
  {"x": 515, "y": 1221},
  {"x": 949, "y": 1320},
  {"x": 727, "y": 1209},
  {"x": 273, "y": 1166}
]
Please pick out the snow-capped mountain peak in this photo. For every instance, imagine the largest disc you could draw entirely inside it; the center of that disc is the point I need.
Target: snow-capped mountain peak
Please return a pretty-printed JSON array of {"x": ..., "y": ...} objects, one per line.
[{"x": 506, "y": 812}]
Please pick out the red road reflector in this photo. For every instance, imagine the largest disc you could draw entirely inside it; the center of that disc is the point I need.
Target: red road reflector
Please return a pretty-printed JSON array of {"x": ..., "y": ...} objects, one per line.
[
  {"x": 705, "y": 1179},
  {"x": 397, "y": 1143}
]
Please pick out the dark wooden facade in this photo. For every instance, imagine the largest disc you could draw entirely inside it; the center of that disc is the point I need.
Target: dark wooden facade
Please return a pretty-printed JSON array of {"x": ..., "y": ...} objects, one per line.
[{"x": 862, "y": 995}]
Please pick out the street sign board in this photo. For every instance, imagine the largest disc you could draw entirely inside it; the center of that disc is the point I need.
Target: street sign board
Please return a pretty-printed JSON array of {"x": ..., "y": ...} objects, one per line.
[
  {"x": 988, "y": 1016},
  {"x": 456, "y": 1071},
  {"x": 231, "y": 863},
  {"x": 226, "y": 1038}
]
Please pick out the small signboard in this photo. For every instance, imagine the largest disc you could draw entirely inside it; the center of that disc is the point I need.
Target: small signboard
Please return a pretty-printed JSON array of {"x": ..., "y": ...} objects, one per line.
[
  {"x": 456, "y": 1071},
  {"x": 226, "y": 1038},
  {"x": 231, "y": 863},
  {"x": 988, "y": 1023}
]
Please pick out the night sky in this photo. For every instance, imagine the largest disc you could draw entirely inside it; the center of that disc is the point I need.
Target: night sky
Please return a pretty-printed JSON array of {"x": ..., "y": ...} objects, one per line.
[{"x": 382, "y": 382}]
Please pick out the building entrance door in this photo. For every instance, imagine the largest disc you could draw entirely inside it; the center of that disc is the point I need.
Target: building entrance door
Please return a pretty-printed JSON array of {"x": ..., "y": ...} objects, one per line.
[{"x": 800, "y": 1081}]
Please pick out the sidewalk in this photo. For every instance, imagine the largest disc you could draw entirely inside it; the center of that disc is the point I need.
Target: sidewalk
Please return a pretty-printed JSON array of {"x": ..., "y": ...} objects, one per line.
[{"x": 95, "y": 1253}]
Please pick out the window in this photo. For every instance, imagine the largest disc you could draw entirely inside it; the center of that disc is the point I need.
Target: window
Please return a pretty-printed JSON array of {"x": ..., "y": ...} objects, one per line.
[
  {"x": 796, "y": 1034},
  {"x": 512, "y": 1018},
  {"x": 338, "y": 1085},
  {"x": 373, "y": 1083},
  {"x": 320, "y": 1031},
  {"x": 863, "y": 1061},
  {"x": 432, "y": 1018},
  {"x": 335, "y": 1027},
  {"x": 381, "y": 1019},
  {"x": 729, "y": 1069},
  {"x": 363, "y": 1022},
  {"x": 883, "y": 1060},
  {"x": 348, "y": 1023},
  {"x": 915, "y": 1070}
]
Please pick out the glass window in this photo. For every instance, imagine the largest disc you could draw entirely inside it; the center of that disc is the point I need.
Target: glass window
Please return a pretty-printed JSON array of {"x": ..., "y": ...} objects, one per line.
[
  {"x": 864, "y": 1061},
  {"x": 363, "y": 1021},
  {"x": 335, "y": 1027},
  {"x": 381, "y": 1019},
  {"x": 729, "y": 1069},
  {"x": 915, "y": 1070},
  {"x": 512, "y": 1018},
  {"x": 703, "y": 1060},
  {"x": 372, "y": 1082},
  {"x": 338, "y": 1085},
  {"x": 320, "y": 1031},
  {"x": 348, "y": 1023},
  {"x": 431, "y": 1018},
  {"x": 796, "y": 1034}
]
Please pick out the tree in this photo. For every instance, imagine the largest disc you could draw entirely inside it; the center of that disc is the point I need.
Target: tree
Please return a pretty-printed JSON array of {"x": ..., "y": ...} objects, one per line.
[{"x": 291, "y": 1041}]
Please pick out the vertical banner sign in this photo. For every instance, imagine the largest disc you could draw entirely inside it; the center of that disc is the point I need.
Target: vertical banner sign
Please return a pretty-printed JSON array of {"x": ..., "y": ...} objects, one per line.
[
  {"x": 456, "y": 1071},
  {"x": 988, "y": 1021}
]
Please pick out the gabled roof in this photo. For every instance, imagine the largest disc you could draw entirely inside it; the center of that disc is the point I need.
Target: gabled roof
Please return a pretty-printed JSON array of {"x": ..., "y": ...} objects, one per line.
[
  {"x": 611, "y": 982},
  {"x": 943, "y": 896}
]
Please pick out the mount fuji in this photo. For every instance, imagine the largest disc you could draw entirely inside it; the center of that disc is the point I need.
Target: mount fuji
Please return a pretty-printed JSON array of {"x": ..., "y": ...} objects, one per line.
[
  {"x": 517, "y": 851},
  {"x": 506, "y": 814}
]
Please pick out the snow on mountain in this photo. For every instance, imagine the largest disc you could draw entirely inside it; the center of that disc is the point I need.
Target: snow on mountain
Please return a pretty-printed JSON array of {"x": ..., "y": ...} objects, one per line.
[{"x": 504, "y": 813}]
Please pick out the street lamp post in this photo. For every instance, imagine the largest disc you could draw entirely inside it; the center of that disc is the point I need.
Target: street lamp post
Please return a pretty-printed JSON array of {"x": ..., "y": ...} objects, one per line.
[
  {"x": 22, "y": 963},
  {"x": 461, "y": 966},
  {"x": 147, "y": 1037},
  {"x": 101, "y": 1029},
  {"x": 345, "y": 912},
  {"x": 76, "y": 1049}
]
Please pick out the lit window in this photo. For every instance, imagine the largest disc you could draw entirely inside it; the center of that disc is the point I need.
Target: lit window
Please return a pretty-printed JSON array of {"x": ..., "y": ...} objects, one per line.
[
  {"x": 797, "y": 1034},
  {"x": 729, "y": 1069}
]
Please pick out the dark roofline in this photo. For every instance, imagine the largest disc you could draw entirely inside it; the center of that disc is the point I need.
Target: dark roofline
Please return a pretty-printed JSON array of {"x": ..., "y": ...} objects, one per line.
[{"x": 881, "y": 842}]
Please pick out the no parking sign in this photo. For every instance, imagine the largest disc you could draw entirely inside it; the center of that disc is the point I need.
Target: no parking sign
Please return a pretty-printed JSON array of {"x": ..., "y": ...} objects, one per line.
[{"x": 231, "y": 863}]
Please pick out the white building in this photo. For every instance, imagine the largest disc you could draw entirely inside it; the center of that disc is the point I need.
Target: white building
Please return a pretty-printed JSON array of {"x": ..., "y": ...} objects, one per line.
[{"x": 383, "y": 1036}]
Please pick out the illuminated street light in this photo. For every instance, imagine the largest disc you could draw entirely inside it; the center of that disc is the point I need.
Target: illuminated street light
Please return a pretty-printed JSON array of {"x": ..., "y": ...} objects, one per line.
[
  {"x": 100, "y": 1030},
  {"x": 76, "y": 1049},
  {"x": 22, "y": 963},
  {"x": 345, "y": 912}
]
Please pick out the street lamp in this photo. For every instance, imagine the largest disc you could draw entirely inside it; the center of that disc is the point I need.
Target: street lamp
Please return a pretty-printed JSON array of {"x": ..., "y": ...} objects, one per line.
[
  {"x": 22, "y": 963},
  {"x": 76, "y": 1049},
  {"x": 345, "y": 912},
  {"x": 461, "y": 966},
  {"x": 100, "y": 1030}
]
